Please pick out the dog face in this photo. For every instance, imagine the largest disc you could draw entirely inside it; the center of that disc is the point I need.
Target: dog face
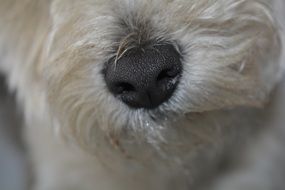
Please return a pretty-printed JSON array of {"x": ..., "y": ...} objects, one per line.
[{"x": 226, "y": 53}]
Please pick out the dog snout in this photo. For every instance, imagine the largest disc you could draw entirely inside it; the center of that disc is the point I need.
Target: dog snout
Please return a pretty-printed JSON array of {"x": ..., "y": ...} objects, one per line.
[{"x": 145, "y": 77}]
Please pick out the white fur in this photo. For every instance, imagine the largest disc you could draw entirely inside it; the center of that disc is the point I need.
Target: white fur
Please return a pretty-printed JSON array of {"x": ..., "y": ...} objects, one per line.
[{"x": 53, "y": 53}]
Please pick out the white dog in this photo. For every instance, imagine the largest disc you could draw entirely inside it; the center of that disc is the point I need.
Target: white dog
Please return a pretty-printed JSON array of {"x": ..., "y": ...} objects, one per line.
[{"x": 153, "y": 94}]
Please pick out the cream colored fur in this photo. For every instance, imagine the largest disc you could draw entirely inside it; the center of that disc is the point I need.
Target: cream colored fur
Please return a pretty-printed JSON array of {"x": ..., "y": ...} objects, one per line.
[{"x": 81, "y": 137}]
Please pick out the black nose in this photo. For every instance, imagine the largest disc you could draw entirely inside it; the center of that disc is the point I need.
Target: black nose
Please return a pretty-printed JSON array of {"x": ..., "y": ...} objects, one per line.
[{"x": 145, "y": 78}]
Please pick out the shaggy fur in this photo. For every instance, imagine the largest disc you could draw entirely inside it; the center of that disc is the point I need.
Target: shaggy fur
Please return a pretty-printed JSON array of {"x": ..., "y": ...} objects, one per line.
[{"x": 81, "y": 137}]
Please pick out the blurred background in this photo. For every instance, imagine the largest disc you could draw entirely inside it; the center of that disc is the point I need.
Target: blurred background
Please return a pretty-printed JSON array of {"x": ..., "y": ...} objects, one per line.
[{"x": 14, "y": 170}]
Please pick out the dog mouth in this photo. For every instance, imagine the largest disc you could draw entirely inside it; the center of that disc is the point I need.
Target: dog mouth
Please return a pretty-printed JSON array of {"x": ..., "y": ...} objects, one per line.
[{"x": 144, "y": 77}]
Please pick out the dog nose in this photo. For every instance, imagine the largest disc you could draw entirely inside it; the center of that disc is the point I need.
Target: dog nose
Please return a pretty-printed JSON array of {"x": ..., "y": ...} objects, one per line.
[{"x": 145, "y": 78}]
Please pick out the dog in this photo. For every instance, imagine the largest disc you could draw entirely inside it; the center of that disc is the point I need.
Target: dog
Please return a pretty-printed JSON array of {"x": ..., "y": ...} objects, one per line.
[{"x": 154, "y": 94}]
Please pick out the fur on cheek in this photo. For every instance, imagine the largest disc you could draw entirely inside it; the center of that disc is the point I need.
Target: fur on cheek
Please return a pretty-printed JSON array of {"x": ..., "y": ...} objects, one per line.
[{"x": 230, "y": 59}]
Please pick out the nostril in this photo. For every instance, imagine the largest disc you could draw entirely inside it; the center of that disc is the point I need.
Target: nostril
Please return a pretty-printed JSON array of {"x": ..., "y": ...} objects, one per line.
[
  {"x": 123, "y": 88},
  {"x": 163, "y": 75},
  {"x": 167, "y": 74}
]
